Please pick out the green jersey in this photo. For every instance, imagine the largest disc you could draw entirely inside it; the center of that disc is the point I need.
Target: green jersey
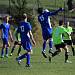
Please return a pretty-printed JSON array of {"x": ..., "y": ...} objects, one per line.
[
  {"x": 57, "y": 34},
  {"x": 17, "y": 37},
  {"x": 69, "y": 31}
]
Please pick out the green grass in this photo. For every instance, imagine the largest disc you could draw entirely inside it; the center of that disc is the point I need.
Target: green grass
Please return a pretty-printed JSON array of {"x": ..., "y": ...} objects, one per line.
[{"x": 40, "y": 65}]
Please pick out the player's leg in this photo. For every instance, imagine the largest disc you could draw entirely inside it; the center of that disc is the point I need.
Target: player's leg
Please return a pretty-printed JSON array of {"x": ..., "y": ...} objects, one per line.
[
  {"x": 19, "y": 50},
  {"x": 28, "y": 59},
  {"x": 13, "y": 48},
  {"x": 50, "y": 45},
  {"x": 22, "y": 56},
  {"x": 29, "y": 51},
  {"x": 66, "y": 54},
  {"x": 27, "y": 56},
  {"x": 58, "y": 49},
  {"x": 7, "y": 48},
  {"x": 73, "y": 49},
  {"x": 44, "y": 47},
  {"x": 3, "y": 47},
  {"x": 2, "y": 51},
  {"x": 27, "y": 46},
  {"x": 70, "y": 43}
]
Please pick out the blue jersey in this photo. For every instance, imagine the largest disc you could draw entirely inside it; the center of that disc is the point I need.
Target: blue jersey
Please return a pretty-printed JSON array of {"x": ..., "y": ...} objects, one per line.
[
  {"x": 23, "y": 29},
  {"x": 5, "y": 30},
  {"x": 44, "y": 19}
]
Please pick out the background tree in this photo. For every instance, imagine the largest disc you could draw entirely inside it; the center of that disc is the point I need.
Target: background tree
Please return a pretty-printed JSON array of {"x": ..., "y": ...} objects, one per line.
[{"x": 18, "y": 8}]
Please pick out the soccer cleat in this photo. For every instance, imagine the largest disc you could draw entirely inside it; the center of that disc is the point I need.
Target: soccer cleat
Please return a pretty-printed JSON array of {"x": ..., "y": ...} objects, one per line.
[
  {"x": 28, "y": 65},
  {"x": 2, "y": 56},
  {"x": 67, "y": 61},
  {"x": 19, "y": 61},
  {"x": 43, "y": 53},
  {"x": 11, "y": 54},
  {"x": 50, "y": 51},
  {"x": 19, "y": 54},
  {"x": 6, "y": 55}
]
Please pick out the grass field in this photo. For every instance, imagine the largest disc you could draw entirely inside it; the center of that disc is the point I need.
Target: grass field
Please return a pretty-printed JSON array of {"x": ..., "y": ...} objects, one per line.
[{"x": 40, "y": 65}]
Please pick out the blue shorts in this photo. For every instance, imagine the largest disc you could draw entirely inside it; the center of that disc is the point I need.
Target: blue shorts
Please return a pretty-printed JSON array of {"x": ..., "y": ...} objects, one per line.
[
  {"x": 47, "y": 34},
  {"x": 5, "y": 41},
  {"x": 26, "y": 45}
]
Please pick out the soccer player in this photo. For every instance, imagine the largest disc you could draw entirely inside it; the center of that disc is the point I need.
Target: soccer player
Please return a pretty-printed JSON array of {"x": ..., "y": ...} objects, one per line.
[
  {"x": 25, "y": 32},
  {"x": 67, "y": 38},
  {"x": 44, "y": 19},
  {"x": 5, "y": 27},
  {"x": 58, "y": 41},
  {"x": 17, "y": 42}
]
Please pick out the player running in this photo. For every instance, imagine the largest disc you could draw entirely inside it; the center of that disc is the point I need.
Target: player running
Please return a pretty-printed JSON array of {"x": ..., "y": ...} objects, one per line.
[
  {"x": 16, "y": 42},
  {"x": 25, "y": 32},
  {"x": 58, "y": 41},
  {"x": 44, "y": 19},
  {"x": 5, "y": 27},
  {"x": 67, "y": 38}
]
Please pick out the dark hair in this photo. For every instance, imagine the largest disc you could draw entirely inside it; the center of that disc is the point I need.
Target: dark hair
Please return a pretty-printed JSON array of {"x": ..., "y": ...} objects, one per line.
[
  {"x": 60, "y": 22},
  {"x": 40, "y": 10}
]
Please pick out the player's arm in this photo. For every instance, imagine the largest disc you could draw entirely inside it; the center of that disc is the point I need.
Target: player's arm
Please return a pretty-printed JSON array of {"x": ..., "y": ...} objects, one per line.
[
  {"x": 0, "y": 34},
  {"x": 55, "y": 12},
  {"x": 71, "y": 31},
  {"x": 16, "y": 34},
  {"x": 1, "y": 30},
  {"x": 64, "y": 31},
  {"x": 10, "y": 35},
  {"x": 1, "y": 26},
  {"x": 31, "y": 36}
]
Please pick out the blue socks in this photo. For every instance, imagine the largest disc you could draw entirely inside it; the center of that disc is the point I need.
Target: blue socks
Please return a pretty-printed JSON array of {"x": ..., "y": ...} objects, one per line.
[
  {"x": 28, "y": 59},
  {"x": 50, "y": 43},
  {"x": 27, "y": 56},
  {"x": 44, "y": 46},
  {"x": 2, "y": 52},
  {"x": 22, "y": 56},
  {"x": 6, "y": 51}
]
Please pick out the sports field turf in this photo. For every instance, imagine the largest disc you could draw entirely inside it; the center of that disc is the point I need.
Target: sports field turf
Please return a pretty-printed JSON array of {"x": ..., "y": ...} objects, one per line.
[{"x": 40, "y": 65}]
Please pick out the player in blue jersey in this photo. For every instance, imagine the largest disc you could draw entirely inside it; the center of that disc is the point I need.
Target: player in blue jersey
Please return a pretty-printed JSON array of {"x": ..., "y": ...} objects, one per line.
[
  {"x": 25, "y": 32},
  {"x": 44, "y": 19},
  {"x": 5, "y": 27}
]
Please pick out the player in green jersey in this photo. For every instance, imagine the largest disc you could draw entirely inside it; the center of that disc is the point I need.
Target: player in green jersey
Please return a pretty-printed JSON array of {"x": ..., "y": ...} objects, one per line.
[
  {"x": 67, "y": 38},
  {"x": 16, "y": 42},
  {"x": 58, "y": 41}
]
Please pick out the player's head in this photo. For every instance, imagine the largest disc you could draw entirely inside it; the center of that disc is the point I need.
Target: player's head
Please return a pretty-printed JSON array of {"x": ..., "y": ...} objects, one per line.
[
  {"x": 54, "y": 23},
  {"x": 61, "y": 22},
  {"x": 40, "y": 10},
  {"x": 67, "y": 24},
  {"x": 24, "y": 17},
  {"x": 46, "y": 10},
  {"x": 6, "y": 18}
]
